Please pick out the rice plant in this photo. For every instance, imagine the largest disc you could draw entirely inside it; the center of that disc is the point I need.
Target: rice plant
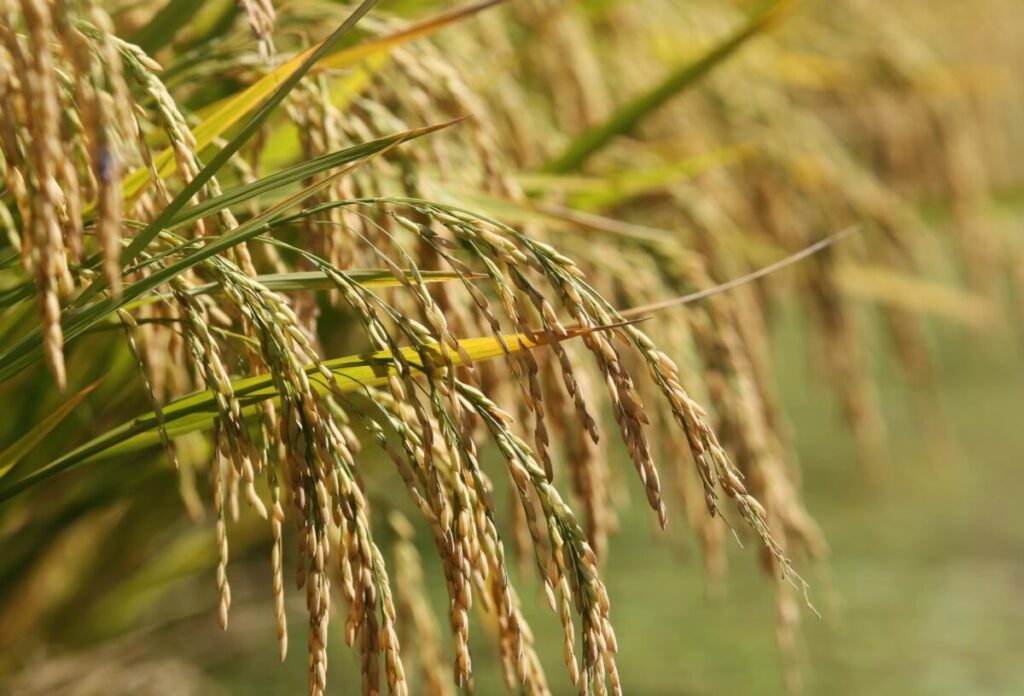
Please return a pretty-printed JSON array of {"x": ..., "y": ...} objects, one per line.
[{"x": 289, "y": 246}]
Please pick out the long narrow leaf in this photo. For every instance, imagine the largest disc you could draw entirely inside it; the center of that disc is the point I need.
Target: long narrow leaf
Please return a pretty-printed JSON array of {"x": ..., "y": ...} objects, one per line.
[
  {"x": 229, "y": 111},
  {"x": 272, "y": 182},
  {"x": 296, "y": 173},
  {"x": 29, "y": 349},
  {"x": 220, "y": 159},
  {"x": 318, "y": 280},
  {"x": 27, "y": 442},
  {"x": 196, "y": 412},
  {"x": 630, "y": 116}
]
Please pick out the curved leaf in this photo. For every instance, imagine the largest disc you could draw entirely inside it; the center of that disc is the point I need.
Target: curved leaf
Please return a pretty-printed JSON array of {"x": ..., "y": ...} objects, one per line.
[
  {"x": 196, "y": 412},
  {"x": 629, "y": 116},
  {"x": 27, "y": 442},
  {"x": 229, "y": 111},
  {"x": 74, "y": 323}
]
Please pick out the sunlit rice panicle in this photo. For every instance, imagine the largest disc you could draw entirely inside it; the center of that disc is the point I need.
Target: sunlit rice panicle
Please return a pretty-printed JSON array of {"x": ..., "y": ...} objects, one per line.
[
  {"x": 277, "y": 567},
  {"x": 217, "y": 484},
  {"x": 570, "y": 556},
  {"x": 304, "y": 433},
  {"x": 144, "y": 70},
  {"x": 34, "y": 120},
  {"x": 85, "y": 119},
  {"x": 103, "y": 101}
]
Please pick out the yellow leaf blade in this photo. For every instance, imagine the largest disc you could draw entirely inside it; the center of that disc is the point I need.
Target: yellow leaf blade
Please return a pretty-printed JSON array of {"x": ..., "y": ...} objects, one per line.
[{"x": 229, "y": 111}]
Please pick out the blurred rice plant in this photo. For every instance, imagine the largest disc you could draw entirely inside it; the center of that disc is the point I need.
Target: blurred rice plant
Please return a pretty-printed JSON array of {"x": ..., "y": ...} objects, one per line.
[{"x": 205, "y": 204}]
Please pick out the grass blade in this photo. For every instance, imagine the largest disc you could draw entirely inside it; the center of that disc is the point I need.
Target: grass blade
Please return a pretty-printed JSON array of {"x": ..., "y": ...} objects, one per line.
[
  {"x": 304, "y": 170},
  {"x": 229, "y": 111},
  {"x": 30, "y": 348},
  {"x": 27, "y": 442},
  {"x": 318, "y": 280},
  {"x": 765, "y": 271},
  {"x": 296, "y": 173},
  {"x": 196, "y": 412},
  {"x": 629, "y": 116},
  {"x": 220, "y": 159}
]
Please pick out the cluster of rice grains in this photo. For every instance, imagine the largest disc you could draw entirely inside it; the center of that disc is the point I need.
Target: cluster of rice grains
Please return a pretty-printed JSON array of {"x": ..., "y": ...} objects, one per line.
[
  {"x": 61, "y": 131},
  {"x": 68, "y": 142},
  {"x": 85, "y": 107},
  {"x": 785, "y": 152}
]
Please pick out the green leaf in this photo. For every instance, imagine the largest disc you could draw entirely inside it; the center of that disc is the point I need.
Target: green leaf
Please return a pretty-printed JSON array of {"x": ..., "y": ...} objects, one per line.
[
  {"x": 196, "y": 412},
  {"x": 615, "y": 188},
  {"x": 27, "y": 442},
  {"x": 309, "y": 58},
  {"x": 318, "y": 280},
  {"x": 304, "y": 170},
  {"x": 632, "y": 114},
  {"x": 29, "y": 349},
  {"x": 296, "y": 173},
  {"x": 554, "y": 217},
  {"x": 229, "y": 111}
]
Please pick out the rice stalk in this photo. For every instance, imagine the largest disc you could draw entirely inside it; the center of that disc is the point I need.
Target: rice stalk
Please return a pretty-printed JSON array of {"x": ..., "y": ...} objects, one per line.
[{"x": 258, "y": 239}]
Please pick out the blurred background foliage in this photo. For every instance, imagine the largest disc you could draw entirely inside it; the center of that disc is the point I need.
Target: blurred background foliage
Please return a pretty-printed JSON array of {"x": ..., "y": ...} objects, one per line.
[{"x": 895, "y": 355}]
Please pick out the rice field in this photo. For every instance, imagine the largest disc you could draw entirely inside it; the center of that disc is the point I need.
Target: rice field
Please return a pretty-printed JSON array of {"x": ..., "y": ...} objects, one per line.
[{"x": 541, "y": 345}]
